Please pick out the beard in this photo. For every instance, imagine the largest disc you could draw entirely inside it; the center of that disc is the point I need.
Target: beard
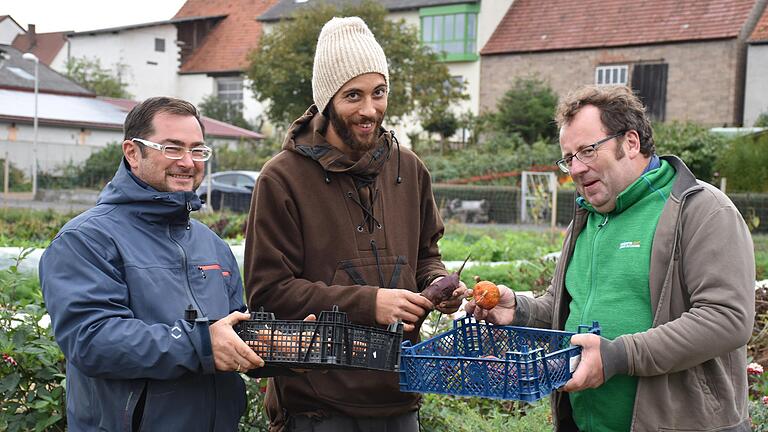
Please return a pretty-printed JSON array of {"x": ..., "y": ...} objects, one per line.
[{"x": 343, "y": 128}]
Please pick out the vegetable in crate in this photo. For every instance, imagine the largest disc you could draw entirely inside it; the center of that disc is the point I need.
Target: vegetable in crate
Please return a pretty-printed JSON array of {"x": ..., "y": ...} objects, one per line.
[
  {"x": 443, "y": 289},
  {"x": 486, "y": 294}
]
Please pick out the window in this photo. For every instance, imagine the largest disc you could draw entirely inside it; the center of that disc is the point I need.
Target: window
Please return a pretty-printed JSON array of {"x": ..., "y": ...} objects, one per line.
[
  {"x": 159, "y": 45},
  {"x": 451, "y": 31},
  {"x": 611, "y": 75},
  {"x": 230, "y": 89}
]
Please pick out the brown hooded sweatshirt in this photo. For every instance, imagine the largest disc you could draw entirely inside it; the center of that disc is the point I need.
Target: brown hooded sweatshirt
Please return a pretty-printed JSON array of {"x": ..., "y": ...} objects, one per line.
[{"x": 325, "y": 230}]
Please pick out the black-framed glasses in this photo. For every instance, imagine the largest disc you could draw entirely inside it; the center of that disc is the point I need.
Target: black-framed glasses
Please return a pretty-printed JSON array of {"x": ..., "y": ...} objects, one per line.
[
  {"x": 586, "y": 155},
  {"x": 175, "y": 152}
]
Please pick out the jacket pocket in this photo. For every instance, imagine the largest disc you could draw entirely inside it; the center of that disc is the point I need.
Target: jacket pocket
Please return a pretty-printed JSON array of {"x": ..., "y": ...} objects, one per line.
[
  {"x": 210, "y": 284},
  {"x": 386, "y": 272},
  {"x": 695, "y": 395}
]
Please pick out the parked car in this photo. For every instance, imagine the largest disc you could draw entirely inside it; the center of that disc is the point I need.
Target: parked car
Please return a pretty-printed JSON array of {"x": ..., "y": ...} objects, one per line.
[{"x": 230, "y": 190}]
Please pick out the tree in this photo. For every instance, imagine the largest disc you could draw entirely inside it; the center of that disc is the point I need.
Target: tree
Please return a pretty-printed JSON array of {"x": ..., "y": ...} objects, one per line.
[
  {"x": 281, "y": 67},
  {"x": 225, "y": 111},
  {"x": 91, "y": 75},
  {"x": 527, "y": 109},
  {"x": 442, "y": 122}
]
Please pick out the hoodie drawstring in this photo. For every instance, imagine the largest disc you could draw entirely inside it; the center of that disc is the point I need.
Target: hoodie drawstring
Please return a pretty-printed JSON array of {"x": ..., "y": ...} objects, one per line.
[
  {"x": 378, "y": 263},
  {"x": 397, "y": 143}
]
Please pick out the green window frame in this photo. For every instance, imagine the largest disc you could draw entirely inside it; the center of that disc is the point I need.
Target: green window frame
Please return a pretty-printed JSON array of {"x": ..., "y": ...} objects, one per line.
[{"x": 451, "y": 31}]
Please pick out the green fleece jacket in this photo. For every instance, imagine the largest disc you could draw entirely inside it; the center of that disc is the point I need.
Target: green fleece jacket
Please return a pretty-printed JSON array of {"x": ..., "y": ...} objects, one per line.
[{"x": 608, "y": 282}]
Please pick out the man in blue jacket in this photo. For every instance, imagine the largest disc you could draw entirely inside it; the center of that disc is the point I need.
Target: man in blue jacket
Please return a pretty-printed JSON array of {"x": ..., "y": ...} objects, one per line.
[{"x": 120, "y": 279}]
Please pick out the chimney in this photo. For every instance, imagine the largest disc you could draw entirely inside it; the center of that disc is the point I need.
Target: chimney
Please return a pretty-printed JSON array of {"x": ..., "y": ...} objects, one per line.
[{"x": 32, "y": 35}]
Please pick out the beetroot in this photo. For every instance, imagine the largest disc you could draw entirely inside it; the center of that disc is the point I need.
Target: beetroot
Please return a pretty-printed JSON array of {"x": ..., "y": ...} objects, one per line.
[{"x": 442, "y": 290}]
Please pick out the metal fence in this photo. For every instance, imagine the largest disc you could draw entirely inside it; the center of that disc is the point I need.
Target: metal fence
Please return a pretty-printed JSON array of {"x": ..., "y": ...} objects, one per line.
[{"x": 501, "y": 205}]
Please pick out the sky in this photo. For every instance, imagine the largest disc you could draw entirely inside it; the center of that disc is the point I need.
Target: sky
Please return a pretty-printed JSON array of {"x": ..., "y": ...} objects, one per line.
[{"x": 81, "y": 15}]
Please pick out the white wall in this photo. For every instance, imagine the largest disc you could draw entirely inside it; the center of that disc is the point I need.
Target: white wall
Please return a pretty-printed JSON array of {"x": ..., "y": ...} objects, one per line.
[
  {"x": 195, "y": 87},
  {"x": 8, "y": 31},
  {"x": 756, "y": 91},
  {"x": 59, "y": 62},
  {"x": 131, "y": 54},
  {"x": 56, "y": 145},
  {"x": 252, "y": 108}
]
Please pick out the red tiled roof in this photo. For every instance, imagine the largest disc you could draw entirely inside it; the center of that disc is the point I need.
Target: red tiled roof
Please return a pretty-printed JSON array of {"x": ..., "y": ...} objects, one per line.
[
  {"x": 544, "y": 25},
  {"x": 227, "y": 46},
  {"x": 761, "y": 29},
  {"x": 44, "y": 45},
  {"x": 212, "y": 127}
]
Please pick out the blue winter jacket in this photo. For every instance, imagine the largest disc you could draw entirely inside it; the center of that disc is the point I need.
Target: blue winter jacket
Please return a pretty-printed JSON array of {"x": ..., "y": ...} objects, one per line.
[{"x": 117, "y": 280}]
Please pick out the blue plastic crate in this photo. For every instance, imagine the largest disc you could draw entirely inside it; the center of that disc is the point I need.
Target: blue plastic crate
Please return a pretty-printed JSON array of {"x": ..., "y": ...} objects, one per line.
[{"x": 485, "y": 360}]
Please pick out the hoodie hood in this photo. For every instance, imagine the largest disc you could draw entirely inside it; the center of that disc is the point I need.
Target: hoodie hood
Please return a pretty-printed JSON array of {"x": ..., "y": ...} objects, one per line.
[
  {"x": 145, "y": 201},
  {"x": 306, "y": 136}
]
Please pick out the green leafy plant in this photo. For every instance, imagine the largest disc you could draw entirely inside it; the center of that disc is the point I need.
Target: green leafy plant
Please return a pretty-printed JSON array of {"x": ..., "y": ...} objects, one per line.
[
  {"x": 89, "y": 73},
  {"x": 214, "y": 107},
  {"x": 442, "y": 413},
  {"x": 743, "y": 163},
  {"x": 255, "y": 418},
  {"x": 762, "y": 120},
  {"x": 699, "y": 148},
  {"x": 32, "y": 366},
  {"x": 16, "y": 180}
]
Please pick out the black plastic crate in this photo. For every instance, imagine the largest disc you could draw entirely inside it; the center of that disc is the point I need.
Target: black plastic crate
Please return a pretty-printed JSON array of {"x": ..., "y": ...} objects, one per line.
[
  {"x": 486, "y": 360},
  {"x": 331, "y": 342}
]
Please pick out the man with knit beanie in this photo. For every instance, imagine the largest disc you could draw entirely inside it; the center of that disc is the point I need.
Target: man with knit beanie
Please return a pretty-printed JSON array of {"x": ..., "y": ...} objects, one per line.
[
  {"x": 663, "y": 262},
  {"x": 345, "y": 216}
]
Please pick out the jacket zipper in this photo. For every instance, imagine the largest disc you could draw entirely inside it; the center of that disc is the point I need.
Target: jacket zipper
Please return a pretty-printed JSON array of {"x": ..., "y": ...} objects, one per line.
[
  {"x": 592, "y": 288},
  {"x": 591, "y": 294},
  {"x": 191, "y": 295}
]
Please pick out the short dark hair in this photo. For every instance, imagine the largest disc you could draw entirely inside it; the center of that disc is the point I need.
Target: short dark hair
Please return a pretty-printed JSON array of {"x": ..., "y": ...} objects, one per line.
[
  {"x": 620, "y": 110},
  {"x": 138, "y": 123}
]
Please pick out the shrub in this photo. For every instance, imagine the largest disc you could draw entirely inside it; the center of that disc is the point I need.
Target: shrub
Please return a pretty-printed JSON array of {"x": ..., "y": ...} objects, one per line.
[
  {"x": 16, "y": 180},
  {"x": 23, "y": 227},
  {"x": 499, "y": 153},
  {"x": 743, "y": 163},
  {"x": 32, "y": 366},
  {"x": 762, "y": 120},
  {"x": 699, "y": 148},
  {"x": 442, "y": 413},
  {"x": 95, "y": 172}
]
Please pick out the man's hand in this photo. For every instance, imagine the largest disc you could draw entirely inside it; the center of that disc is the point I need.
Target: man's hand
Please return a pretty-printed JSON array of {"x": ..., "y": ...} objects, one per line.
[
  {"x": 503, "y": 313},
  {"x": 400, "y": 304},
  {"x": 452, "y": 304},
  {"x": 589, "y": 373},
  {"x": 230, "y": 353}
]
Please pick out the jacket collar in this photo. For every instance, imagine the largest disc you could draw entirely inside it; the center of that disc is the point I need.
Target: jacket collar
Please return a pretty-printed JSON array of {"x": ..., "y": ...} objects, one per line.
[
  {"x": 306, "y": 136},
  {"x": 686, "y": 182},
  {"x": 146, "y": 202}
]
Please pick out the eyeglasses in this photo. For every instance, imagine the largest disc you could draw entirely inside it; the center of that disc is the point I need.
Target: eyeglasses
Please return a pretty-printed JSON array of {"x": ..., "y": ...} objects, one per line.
[
  {"x": 586, "y": 154},
  {"x": 199, "y": 154}
]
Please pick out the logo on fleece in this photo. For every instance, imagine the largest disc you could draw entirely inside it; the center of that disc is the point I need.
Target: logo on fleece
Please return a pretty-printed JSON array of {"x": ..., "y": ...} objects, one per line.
[{"x": 629, "y": 244}]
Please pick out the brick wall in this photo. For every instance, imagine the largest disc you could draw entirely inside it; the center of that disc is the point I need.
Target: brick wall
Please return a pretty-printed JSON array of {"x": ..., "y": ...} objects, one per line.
[{"x": 702, "y": 85}]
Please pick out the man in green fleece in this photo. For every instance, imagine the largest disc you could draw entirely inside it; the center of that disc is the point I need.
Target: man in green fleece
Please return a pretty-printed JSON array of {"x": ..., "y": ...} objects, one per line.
[{"x": 664, "y": 262}]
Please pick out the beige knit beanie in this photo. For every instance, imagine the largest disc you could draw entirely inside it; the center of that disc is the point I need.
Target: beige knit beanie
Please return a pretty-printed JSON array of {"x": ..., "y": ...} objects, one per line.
[{"x": 346, "y": 49}]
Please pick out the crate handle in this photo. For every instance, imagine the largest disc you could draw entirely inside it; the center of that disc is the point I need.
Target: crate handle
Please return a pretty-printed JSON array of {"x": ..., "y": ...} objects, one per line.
[{"x": 593, "y": 329}]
